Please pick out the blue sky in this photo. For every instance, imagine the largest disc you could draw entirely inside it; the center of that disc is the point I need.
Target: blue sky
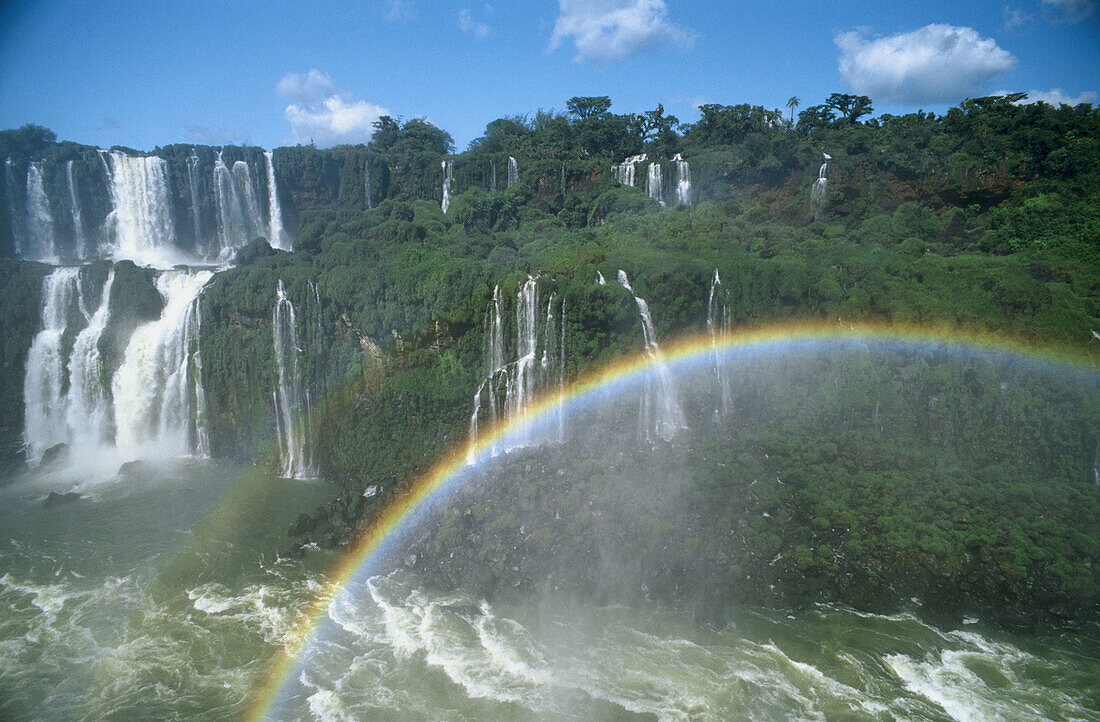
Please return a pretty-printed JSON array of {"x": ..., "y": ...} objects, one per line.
[{"x": 271, "y": 73}]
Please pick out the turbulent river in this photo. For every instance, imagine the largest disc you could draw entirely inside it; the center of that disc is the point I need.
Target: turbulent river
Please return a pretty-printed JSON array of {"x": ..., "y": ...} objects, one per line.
[{"x": 160, "y": 594}]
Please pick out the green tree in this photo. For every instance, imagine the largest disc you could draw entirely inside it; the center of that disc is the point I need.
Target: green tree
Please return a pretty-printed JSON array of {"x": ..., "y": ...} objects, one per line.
[
  {"x": 850, "y": 107},
  {"x": 792, "y": 103},
  {"x": 589, "y": 107}
]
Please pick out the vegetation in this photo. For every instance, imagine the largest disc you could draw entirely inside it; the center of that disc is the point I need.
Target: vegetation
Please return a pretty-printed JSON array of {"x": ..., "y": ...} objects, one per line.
[{"x": 986, "y": 217}]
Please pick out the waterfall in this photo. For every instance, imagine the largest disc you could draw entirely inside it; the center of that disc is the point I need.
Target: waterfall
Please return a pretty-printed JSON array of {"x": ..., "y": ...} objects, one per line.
[
  {"x": 42, "y": 243},
  {"x": 683, "y": 180},
  {"x": 552, "y": 366},
  {"x": 196, "y": 215},
  {"x": 238, "y": 211},
  {"x": 366, "y": 183},
  {"x": 654, "y": 188},
  {"x": 242, "y": 175},
  {"x": 521, "y": 380},
  {"x": 600, "y": 279},
  {"x": 293, "y": 415},
  {"x": 18, "y": 228},
  {"x": 718, "y": 323},
  {"x": 142, "y": 215},
  {"x": 88, "y": 405},
  {"x": 276, "y": 234},
  {"x": 563, "y": 182},
  {"x": 80, "y": 242},
  {"x": 817, "y": 193},
  {"x": 518, "y": 381},
  {"x": 158, "y": 397},
  {"x": 448, "y": 176},
  {"x": 492, "y": 176},
  {"x": 513, "y": 172},
  {"x": 659, "y": 411},
  {"x": 624, "y": 172},
  {"x": 44, "y": 422},
  {"x": 494, "y": 364}
]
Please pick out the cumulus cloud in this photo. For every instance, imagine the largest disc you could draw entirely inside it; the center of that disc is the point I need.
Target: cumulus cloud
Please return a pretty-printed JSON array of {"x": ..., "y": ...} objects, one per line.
[
  {"x": 1073, "y": 10},
  {"x": 935, "y": 64},
  {"x": 604, "y": 31},
  {"x": 323, "y": 114},
  {"x": 308, "y": 87},
  {"x": 468, "y": 25}
]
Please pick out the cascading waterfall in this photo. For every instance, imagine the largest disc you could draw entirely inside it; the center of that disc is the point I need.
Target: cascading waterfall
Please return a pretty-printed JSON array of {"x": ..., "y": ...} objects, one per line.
[
  {"x": 448, "y": 176},
  {"x": 88, "y": 405},
  {"x": 510, "y": 387},
  {"x": 552, "y": 365},
  {"x": 158, "y": 398},
  {"x": 494, "y": 364},
  {"x": 45, "y": 420},
  {"x": 242, "y": 175},
  {"x": 492, "y": 176},
  {"x": 624, "y": 172},
  {"x": 513, "y": 172},
  {"x": 276, "y": 234},
  {"x": 718, "y": 323},
  {"x": 79, "y": 238},
  {"x": 293, "y": 412},
  {"x": 41, "y": 240},
  {"x": 142, "y": 217},
  {"x": 193, "y": 186},
  {"x": 600, "y": 281},
  {"x": 659, "y": 412},
  {"x": 18, "y": 228},
  {"x": 683, "y": 180},
  {"x": 817, "y": 193},
  {"x": 238, "y": 211},
  {"x": 521, "y": 380},
  {"x": 654, "y": 187}
]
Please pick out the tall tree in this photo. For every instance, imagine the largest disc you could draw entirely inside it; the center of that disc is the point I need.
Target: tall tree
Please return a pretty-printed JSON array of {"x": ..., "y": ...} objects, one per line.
[
  {"x": 792, "y": 103},
  {"x": 588, "y": 107},
  {"x": 850, "y": 107}
]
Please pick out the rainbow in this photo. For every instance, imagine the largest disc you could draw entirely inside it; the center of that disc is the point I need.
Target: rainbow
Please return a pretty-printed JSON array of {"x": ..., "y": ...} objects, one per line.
[{"x": 374, "y": 545}]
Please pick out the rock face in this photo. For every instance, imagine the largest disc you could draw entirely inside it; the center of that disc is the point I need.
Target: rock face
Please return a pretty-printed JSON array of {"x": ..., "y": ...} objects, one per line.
[{"x": 54, "y": 499}]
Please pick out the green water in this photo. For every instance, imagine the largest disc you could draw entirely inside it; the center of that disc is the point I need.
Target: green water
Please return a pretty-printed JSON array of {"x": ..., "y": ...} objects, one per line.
[{"x": 161, "y": 595}]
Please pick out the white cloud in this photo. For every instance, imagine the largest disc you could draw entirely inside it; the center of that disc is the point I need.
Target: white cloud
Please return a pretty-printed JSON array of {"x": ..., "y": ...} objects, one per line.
[
  {"x": 398, "y": 10},
  {"x": 1055, "y": 97},
  {"x": 323, "y": 114},
  {"x": 1074, "y": 10},
  {"x": 468, "y": 25},
  {"x": 604, "y": 31},
  {"x": 935, "y": 64},
  {"x": 308, "y": 87}
]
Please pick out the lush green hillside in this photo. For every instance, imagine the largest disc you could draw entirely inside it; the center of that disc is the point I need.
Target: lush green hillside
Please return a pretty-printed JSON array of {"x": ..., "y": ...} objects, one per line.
[{"x": 987, "y": 217}]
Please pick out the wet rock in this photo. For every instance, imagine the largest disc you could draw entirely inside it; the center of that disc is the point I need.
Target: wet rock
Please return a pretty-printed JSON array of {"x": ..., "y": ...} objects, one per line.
[
  {"x": 55, "y": 452},
  {"x": 136, "y": 469},
  {"x": 54, "y": 499}
]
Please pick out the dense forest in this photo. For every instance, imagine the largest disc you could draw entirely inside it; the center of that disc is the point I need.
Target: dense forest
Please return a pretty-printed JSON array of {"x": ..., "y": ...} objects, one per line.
[{"x": 986, "y": 217}]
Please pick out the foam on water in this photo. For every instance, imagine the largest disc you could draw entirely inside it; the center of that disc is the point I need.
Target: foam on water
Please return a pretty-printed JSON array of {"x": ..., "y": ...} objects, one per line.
[{"x": 404, "y": 649}]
